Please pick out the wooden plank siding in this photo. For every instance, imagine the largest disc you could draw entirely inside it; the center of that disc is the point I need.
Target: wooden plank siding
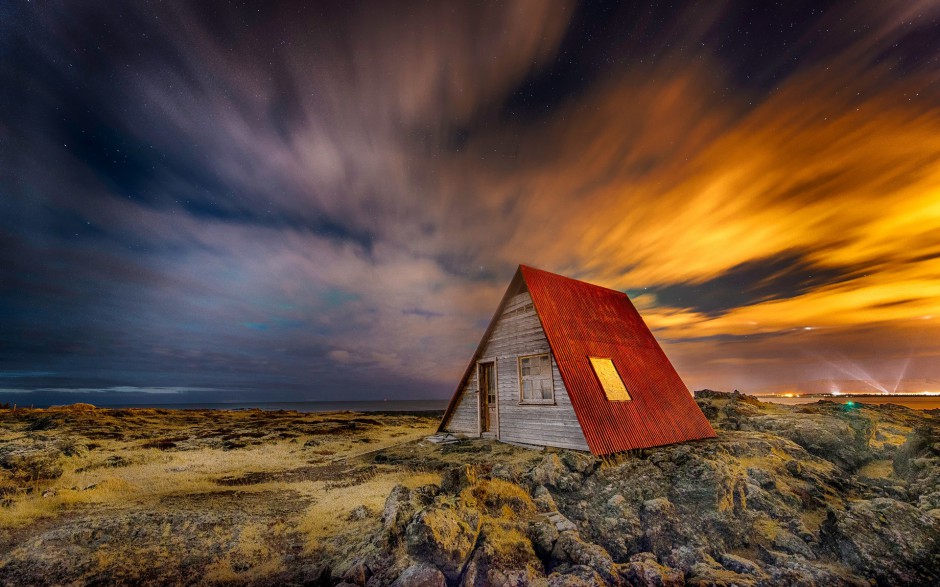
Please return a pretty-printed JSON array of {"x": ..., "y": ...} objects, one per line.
[
  {"x": 465, "y": 420},
  {"x": 518, "y": 332}
]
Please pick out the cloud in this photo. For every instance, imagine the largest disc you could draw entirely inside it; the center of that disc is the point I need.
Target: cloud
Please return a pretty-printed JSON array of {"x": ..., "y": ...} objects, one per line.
[
  {"x": 340, "y": 356},
  {"x": 336, "y": 199},
  {"x": 127, "y": 389}
]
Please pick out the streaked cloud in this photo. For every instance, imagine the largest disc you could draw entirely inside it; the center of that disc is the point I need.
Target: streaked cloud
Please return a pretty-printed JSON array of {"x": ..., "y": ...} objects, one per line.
[{"x": 331, "y": 205}]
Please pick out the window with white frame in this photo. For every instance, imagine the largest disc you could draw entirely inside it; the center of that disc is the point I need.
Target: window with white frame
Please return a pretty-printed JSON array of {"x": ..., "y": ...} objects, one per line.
[{"x": 535, "y": 379}]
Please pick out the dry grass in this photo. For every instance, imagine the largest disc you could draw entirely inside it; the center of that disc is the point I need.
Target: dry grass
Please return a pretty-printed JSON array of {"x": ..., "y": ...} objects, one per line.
[
  {"x": 24, "y": 511},
  {"x": 225, "y": 496},
  {"x": 498, "y": 498},
  {"x": 251, "y": 558},
  {"x": 327, "y": 517},
  {"x": 881, "y": 469},
  {"x": 152, "y": 473}
]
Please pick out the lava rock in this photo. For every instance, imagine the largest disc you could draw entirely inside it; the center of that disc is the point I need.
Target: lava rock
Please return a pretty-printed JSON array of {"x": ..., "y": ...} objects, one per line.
[
  {"x": 890, "y": 540},
  {"x": 643, "y": 570},
  {"x": 444, "y": 537},
  {"x": 420, "y": 575},
  {"x": 456, "y": 479}
]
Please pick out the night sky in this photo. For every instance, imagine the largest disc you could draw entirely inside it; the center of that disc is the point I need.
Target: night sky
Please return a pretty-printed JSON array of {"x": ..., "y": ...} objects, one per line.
[{"x": 236, "y": 201}]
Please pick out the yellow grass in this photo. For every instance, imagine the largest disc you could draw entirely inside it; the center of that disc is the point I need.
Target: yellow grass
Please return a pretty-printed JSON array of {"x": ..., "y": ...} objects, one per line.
[
  {"x": 327, "y": 517},
  {"x": 225, "y": 495},
  {"x": 251, "y": 558},
  {"x": 21, "y": 512},
  {"x": 154, "y": 474},
  {"x": 877, "y": 469}
]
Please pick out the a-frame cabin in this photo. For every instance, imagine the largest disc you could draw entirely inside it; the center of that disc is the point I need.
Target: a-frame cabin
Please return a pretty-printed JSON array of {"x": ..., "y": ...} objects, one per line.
[{"x": 569, "y": 364}]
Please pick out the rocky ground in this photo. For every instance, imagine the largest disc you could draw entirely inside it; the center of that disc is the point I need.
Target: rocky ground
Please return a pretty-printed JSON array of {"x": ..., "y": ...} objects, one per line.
[
  {"x": 156, "y": 497},
  {"x": 819, "y": 494}
]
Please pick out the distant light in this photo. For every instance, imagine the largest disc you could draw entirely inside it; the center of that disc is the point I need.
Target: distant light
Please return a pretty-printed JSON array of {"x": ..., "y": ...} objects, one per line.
[
  {"x": 926, "y": 317},
  {"x": 807, "y": 328},
  {"x": 850, "y": 404}
]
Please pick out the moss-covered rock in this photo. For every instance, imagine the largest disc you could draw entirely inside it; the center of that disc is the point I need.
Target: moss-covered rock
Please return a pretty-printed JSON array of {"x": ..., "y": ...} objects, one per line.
[
  {"x": 894, "y": 542},
  {"x": 444, "y": 536}
]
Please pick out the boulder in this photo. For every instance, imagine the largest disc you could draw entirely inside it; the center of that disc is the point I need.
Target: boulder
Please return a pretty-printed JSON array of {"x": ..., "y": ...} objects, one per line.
[
  {"x": 644, "y": 571},
  {"x": 578, "y": 462},
  {"x": 570, "y": 548},
  {"x": 542, "y": 534},
  {"x": 420, "y": 575},
  {"x": 401, "y": 505},
  {"x": 543, "y": 499},
  {"x": 398, "y": 510},
  {"x": 443, "y": 537},
  {"x": 909, "y": 459},
  {"x": 456, "y": 479},
  {"x": 358, "y": 573},
  {"x": 786, "y": 569},
  {"x": 684, "y": 558},
  {"x": 787, "y": 542},
  {"x": 841, "y": 439},
  {"x": 504, "y": 557},
  {"x": 549, "y": 471},
  {"x": 577, "y": 576},
  {"x": 705, "y": 575},
  {"x": 741, "y": 565},
  {"x": 701, "y": 569},
  {"x": 498, "y": 498},
  {"x": 318, "y": 575}
]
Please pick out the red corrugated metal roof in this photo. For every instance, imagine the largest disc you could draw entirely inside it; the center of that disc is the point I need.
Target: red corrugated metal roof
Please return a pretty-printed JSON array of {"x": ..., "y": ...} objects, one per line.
[{"x": 582, "y": 320}]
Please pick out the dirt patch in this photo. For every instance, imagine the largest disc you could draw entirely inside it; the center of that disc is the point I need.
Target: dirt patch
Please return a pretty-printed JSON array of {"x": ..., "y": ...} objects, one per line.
[
  {"x": 162, "y": 443},
  {"x": 249, "y": 503},
  {"x": 336, "y": 474}
]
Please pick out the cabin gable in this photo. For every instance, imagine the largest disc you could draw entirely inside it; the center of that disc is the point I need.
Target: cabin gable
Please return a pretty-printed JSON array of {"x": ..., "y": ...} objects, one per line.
[{"x": 517, "y": 333}]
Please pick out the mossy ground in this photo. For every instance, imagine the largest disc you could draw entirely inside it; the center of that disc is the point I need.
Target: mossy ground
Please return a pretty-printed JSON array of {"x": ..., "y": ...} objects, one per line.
[
  {"x": 146, "y": 495},
  {"x": 97, "y": 496}
]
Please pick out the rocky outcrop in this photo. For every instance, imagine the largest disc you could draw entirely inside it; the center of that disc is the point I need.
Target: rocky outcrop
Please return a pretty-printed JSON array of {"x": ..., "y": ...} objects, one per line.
[
  {"x": 814, "y": 494},
  {"x": 894, "y": 542},
  {"x": 401, "y": 506}
]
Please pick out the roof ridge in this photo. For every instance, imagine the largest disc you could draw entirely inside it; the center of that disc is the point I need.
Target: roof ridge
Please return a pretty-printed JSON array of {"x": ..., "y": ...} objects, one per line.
[{"x": 530, "y": 268}]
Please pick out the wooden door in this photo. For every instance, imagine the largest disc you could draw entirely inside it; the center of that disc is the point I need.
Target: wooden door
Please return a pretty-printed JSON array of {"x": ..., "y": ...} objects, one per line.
[{"x": 488, "y": 414}]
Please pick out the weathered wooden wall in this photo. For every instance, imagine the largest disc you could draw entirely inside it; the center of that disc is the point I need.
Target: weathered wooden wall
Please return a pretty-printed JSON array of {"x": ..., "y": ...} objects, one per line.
[
  {"x": 518, "y": 332},
  {"x": 465, "y": 419}
]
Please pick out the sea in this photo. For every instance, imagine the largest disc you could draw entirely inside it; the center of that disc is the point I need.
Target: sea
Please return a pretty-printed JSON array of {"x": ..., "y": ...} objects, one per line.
[
  {"x": 916, "y": 402},
  {"x": 350, "y": 406}
]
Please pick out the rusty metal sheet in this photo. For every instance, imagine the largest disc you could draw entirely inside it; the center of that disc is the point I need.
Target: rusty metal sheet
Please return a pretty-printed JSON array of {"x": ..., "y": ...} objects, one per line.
[{"x": 581, "y": 321}]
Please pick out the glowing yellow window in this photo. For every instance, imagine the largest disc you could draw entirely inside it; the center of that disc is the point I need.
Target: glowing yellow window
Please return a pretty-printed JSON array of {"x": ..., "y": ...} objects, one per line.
[{"x": 610, "y": 380}]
